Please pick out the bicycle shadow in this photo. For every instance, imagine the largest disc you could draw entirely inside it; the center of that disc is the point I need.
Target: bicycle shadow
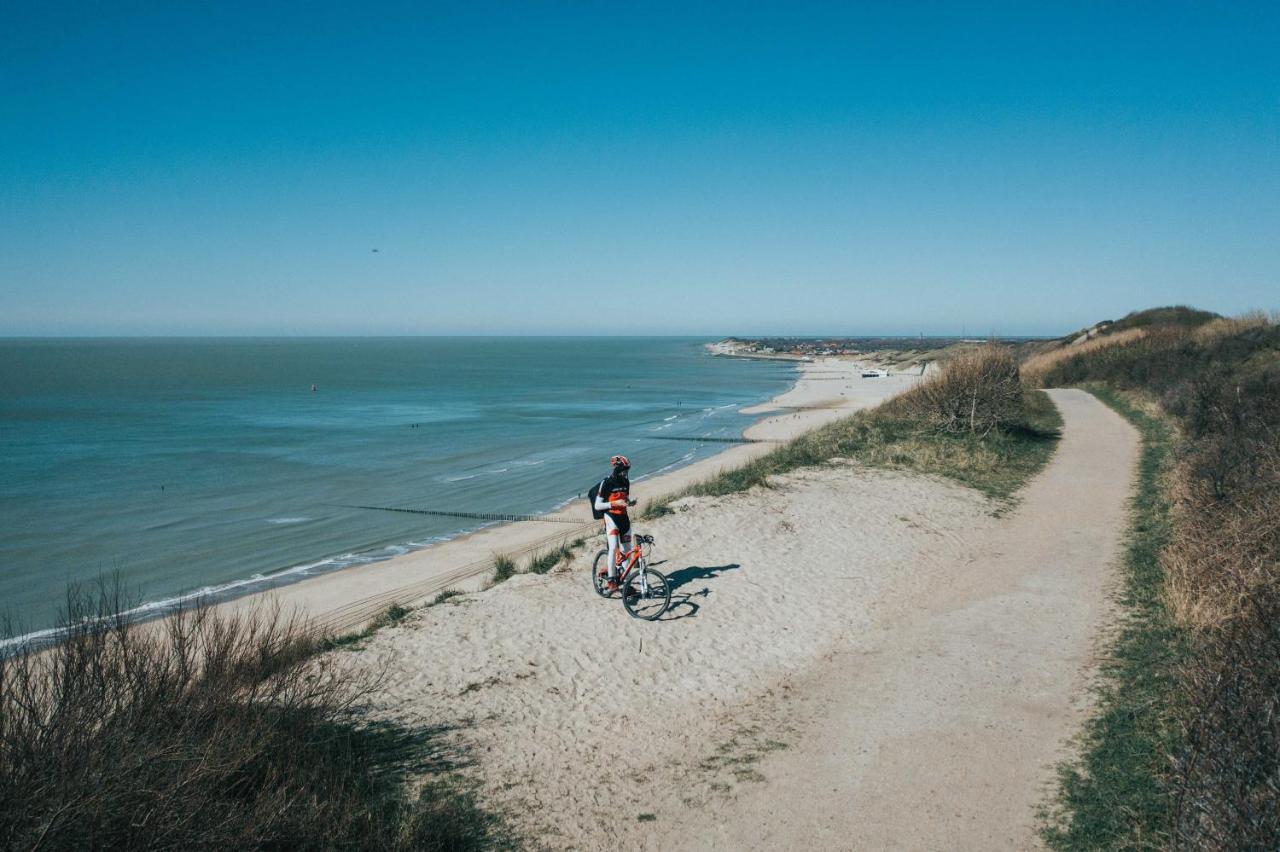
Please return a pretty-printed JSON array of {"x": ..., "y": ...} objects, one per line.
[{"x": 682, "y": 603}]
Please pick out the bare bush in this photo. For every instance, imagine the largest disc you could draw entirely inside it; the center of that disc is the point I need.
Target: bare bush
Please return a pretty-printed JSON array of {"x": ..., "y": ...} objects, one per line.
[
  {"x": 199, "y": 731},
  {"x": 975, "y": 392}
]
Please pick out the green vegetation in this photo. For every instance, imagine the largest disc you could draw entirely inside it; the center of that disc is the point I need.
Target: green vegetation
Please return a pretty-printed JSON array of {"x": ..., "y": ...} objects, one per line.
[
  {"x": 394, "y": 615},
  {"x": 1175, "y": 316},
  {"x": 916, "y": 432},
  {"x": 504, "y": 568},
  {"x": 204, "y": 731},
  {"x": 389, "y": 617},
  {"x": 1116, "y": 795},
  {"x": 1207, "y": 770},
  {"x": 543, "y": 563}
]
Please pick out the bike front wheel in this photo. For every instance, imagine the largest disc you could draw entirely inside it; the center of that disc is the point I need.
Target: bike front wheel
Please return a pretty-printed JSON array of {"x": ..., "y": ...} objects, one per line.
[{"x": 646, "y": 594}]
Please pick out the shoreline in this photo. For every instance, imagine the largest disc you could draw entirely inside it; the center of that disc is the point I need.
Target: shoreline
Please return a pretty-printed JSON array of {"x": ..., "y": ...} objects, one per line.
[{"x": 350, "y": 597}]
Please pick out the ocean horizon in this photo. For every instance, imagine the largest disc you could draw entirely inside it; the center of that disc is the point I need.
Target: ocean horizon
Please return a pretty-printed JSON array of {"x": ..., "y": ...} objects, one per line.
[{"x": 210, "y": 466}]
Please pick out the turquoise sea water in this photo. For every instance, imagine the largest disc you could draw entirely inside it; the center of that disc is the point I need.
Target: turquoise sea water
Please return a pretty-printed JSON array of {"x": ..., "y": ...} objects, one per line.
[{"x": 201, "y": 464}]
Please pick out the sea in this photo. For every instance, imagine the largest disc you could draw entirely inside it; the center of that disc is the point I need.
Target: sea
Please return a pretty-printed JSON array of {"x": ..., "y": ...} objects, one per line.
[{"x": 220, "y": 466}]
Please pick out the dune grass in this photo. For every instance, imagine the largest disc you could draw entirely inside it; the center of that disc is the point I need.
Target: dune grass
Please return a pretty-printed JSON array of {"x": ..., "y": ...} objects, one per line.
[
  {"x": 996, "y": 463},
  {"x": 504, "y": 568},
  {"x": 391, "y": 616},
  {"x": 543, "y": 563}
]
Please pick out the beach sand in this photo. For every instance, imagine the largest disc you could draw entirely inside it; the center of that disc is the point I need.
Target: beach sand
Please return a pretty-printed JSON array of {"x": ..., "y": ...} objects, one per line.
[
  {"x": 855, "y": 658},
  {"x": 582, "y": 720},
  {"x": 346, "y": 600}
]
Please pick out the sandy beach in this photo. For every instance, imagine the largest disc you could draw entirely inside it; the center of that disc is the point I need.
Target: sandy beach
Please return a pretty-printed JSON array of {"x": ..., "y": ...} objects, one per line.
[{"x": 824, "y": 390}]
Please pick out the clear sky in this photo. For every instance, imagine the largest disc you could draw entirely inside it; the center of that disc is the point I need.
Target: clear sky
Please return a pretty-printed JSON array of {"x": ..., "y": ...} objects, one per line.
[{"x": 224, "y": 168}]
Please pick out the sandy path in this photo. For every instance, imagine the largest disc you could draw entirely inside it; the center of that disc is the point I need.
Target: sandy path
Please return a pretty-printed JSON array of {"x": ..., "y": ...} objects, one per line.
[
  {"x": 939, "y": 730},
  {"x": 858, "y": 659}
]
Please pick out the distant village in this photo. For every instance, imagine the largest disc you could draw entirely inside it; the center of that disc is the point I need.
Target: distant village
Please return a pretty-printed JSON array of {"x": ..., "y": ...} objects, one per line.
[{"x": 813, "y": 347}]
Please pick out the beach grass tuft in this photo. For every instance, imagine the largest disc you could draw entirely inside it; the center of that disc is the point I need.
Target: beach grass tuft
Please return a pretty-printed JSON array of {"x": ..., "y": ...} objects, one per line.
[
  {"x": 393, "y": 615},
  {"x": 389, "y": 617},
  {"x": 542, "y": 563},
  {"x": 504, "y": 568}
]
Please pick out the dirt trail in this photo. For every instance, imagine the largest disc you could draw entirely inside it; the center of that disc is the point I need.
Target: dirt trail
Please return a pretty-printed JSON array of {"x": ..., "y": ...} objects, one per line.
[{"x": 941, "y": 730}]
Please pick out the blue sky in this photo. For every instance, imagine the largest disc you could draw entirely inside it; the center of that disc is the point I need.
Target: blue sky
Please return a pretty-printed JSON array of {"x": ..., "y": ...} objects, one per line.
[{"x": 633, "y": 168}]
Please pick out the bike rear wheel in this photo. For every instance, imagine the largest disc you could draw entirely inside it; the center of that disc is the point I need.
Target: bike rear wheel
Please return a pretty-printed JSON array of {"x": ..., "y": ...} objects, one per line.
[
  {"x": 598, "y": 582},
  {"x": 646, "y": 594}
]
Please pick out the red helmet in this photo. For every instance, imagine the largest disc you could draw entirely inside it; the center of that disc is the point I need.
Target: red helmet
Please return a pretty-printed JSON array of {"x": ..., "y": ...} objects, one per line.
[{"x": 620, "y": 461}]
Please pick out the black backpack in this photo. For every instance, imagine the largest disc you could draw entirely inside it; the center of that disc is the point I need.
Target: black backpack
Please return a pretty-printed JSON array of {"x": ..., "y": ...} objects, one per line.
[{"x": 591, "y": 499}]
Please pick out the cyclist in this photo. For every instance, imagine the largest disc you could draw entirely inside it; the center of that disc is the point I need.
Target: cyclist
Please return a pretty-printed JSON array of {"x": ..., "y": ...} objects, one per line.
[{"x": 613, "y": 498}]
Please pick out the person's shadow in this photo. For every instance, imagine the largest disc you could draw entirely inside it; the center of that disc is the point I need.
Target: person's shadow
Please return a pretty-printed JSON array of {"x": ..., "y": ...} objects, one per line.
[{"x": 682, "y": 603}]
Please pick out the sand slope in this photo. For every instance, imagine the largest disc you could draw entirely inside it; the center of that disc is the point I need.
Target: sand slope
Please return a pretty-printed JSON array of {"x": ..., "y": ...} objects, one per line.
[{"x": 858, "y": 659}]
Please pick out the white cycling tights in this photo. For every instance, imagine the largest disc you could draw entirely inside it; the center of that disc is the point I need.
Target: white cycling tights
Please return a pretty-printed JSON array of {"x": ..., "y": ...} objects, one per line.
[{"x": 617, "y": 543}]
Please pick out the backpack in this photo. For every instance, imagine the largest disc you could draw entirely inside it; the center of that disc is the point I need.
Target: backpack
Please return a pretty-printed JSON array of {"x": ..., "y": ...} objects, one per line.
[{"x": 591, "y": 500}]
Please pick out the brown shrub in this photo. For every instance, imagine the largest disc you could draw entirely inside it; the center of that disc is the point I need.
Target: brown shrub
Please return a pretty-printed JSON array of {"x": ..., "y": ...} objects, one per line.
[
  {"x": 975, "y": 392},
  {"x": 1222, "y": 580},
  {"x": 1224, "y": 547},
  {"x": 1227, "y": 773}
]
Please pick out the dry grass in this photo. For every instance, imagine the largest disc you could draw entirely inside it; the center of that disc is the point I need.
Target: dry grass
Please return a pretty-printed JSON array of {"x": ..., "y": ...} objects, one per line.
[
  {"x": 1229, "y": 326},
  {"x": 204, "y": 731},
  {"x": 975, "y": 392},
  {"x": 1222, "y": 572},
  {"x": 1223, "y": 550},
  {"x": 1037, "y": 366}
]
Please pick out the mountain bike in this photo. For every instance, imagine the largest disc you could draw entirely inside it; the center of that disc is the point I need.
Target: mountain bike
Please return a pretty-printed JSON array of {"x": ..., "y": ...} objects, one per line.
[{"x": 646, "y": 593}]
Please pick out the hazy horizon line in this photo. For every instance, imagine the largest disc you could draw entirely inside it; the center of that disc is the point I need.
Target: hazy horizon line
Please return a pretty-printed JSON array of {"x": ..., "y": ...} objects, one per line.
[{"x": 356, "y": 336}]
